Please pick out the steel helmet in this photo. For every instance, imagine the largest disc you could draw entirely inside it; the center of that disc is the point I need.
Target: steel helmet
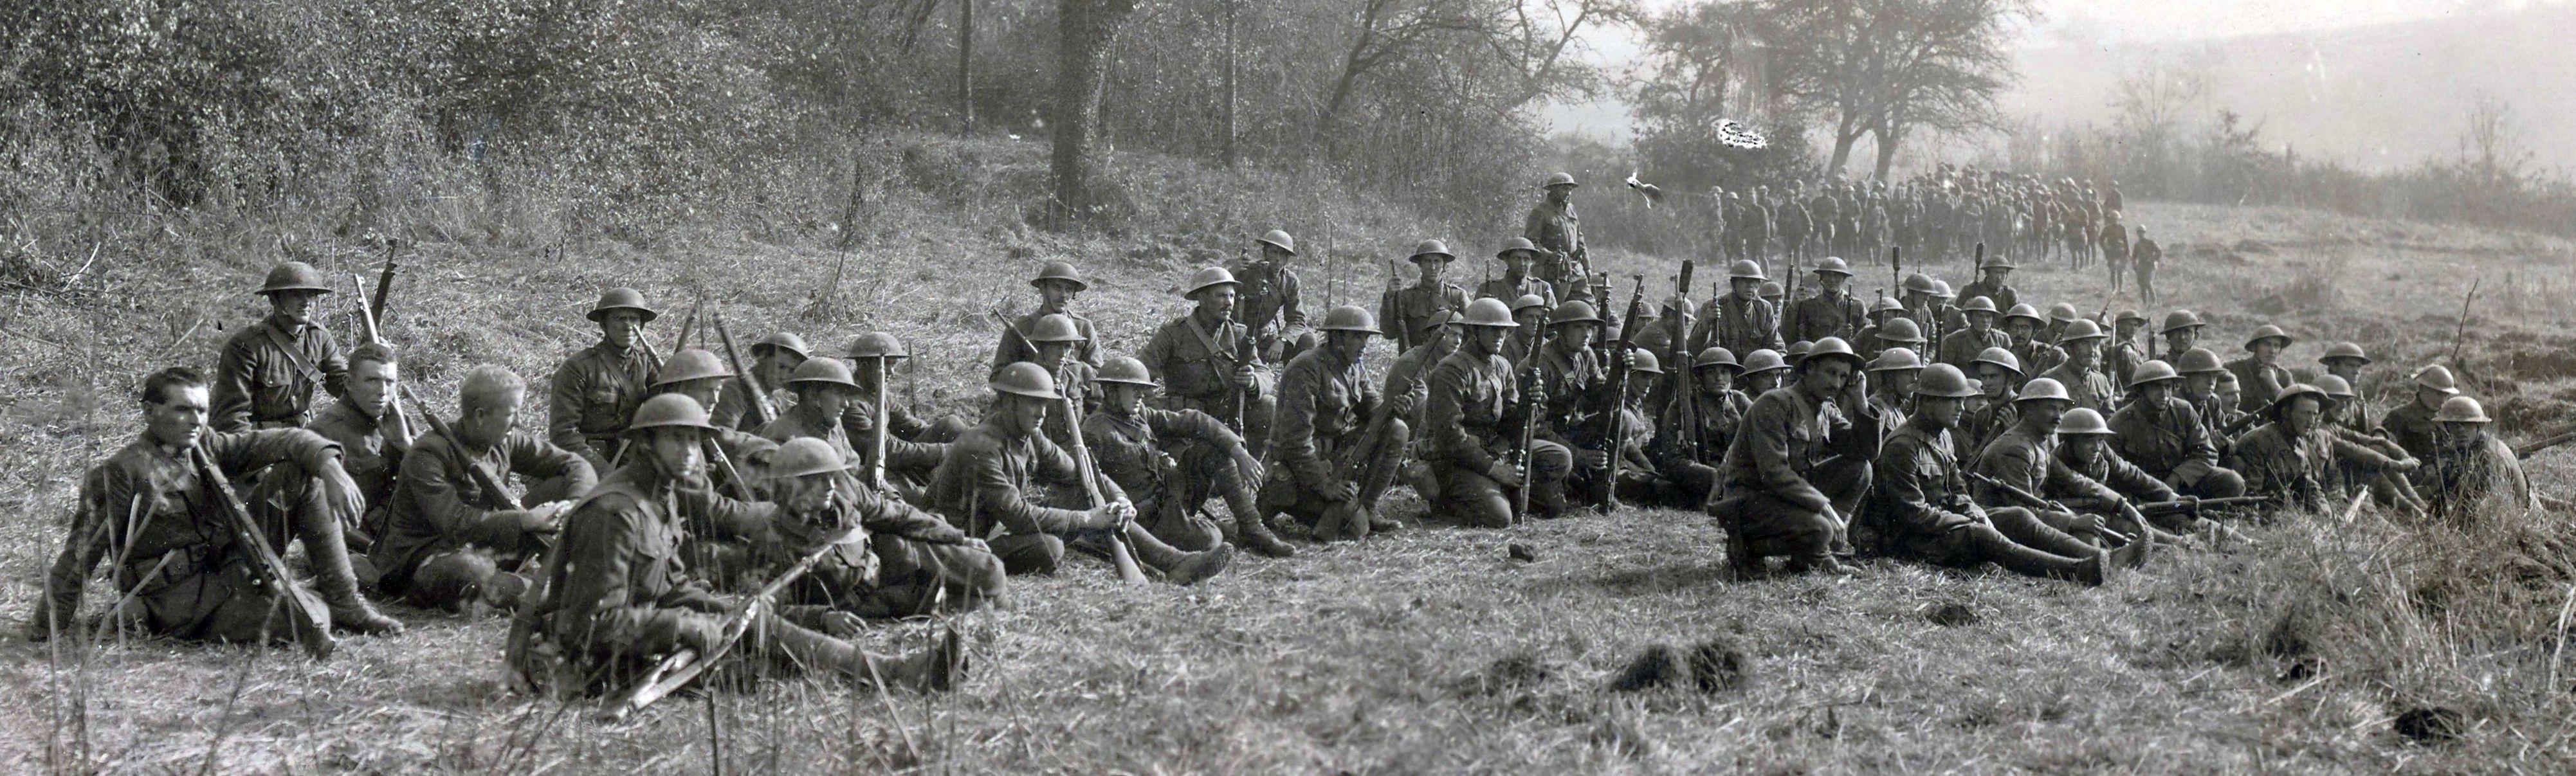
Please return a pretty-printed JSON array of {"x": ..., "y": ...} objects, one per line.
[
  {"x": 1998, "y": 357},
  {"x": 2126, "y": 316},
  {"x": 1894, "y": 359},
  {"x": 1918, "y": 283},
  {"x": 621, "y": 298},
  {"x": 1763, "y": 360},
  {"x": 2081, "y": 329},
  {"x": 2083, "y": 421},
  {"x": 2023, "y": 310},
  {"x": 822, "y": 370},
  {"x": 2268, "y": 331},
  {"x": 1561, "y": 179},
  {"x": 669, "y": 410},
  {"x": 2044, "y": 389},
  {"x": 1715, "y": 356},
  {"x": 2344, "y": 350},
  {"x": 1516, "y": 244},
  {"x": 1944, "y": 381},
  {"x": 1833, "y": 265},
  {"x": 1901, "y": 330},
  {"x": 2153, "y": 371},
  {"x": 1124, "y": 369},
  {"x": 1941, "y": 289},
  {"x": 689, "y": 364},
  {"x": 1996, "y": 261},
  {"x": 294, "y": 276},
  {"x": 1059, "y": 270},
  {"x": 1203, "y": 279},
  {"x": 1489, "y": 312},
  {"x": 877, "y": 344},
  {"x": 2199, "y": 360},
  {"x": 1745, "y": 268},
  {"x": 784, "y": 340},
  {"x": 2436, "y": 377},
  {"x": 2180, "y": 319},
  {"x": 1643, "y": 360},
  {"x": 1431, "y": 248},
  {"x": 806, "y": 455},
  {"x": 1528, "y": 301},
  {"x": 1022, "y": 378},
  {"x": 1054, "y": 327},
  {"x": 1439, "y": 318},
  {"x": 1577, "y": 311},
  {"x": 1798, "y": 351},
  {"x": 2281, "y": 403},
  {"x": 2062, "y": 312},
  {"x": 1887, "y": 304},
  {"x": 1770, "y": 289},
  {"x": 2334, "y": 386},
  {"x": 1979, "y": 305},
  {"x": 1349, "y": 317},
  {"x": 1278, "y": 238},
  {"x": 2460, "y": 409},
  {"x": 1834, "y": 346}
]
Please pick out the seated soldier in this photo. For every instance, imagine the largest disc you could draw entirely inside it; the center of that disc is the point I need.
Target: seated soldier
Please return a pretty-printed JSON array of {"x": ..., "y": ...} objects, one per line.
[
  {"x": 1896, "y": 369},
  {"x": 1994, "y": 410},
  {"x": 454, "y": 526},
  {"x": 2084, "y": 446},
  {"x": 2024, "y": 457},
  {"x": 2472, "y": 476},
  {"x": 989, "y": 484},
  {"x": 372, "y": 440},
  {"x": 618, "y": 596},
  {"x": 2161, "y": 433},
  {"x": 2412, "y": 426},
  {"x": 773, "y": 359},
  {"x": 1690, "y": 451},
  {"x": 1640, "y": 481},
  {"x": 1763, "y": 371},
  {"x": 2030, "y": 345},
  {"x": 1200, "y": 360},
  {"x": 2079, "y": 367},
  {"x": 913, "y": 445},
  {"x": 1170, "y": 461},
  {"x": 2201, "y": 375},
  {"x": 1474, "y": 420},
  {"x": 1920, "y": 507},
  {"x": 1786, "y": 487},
  {"x": 699, "y": 375},
  {"x": 1330, "y": 469},
  {"x": 180, "y": 572},
  {"x": 900, "y": 562},
  {"x": 2390, "y": 490},
  {"x": 2289, "y": 456}
]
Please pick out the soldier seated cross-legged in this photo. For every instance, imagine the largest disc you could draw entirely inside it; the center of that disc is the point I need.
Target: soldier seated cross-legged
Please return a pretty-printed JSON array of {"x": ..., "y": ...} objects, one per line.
[
  {"x": 457, "y": 535},
  {"x": 1920, "y": 506}
]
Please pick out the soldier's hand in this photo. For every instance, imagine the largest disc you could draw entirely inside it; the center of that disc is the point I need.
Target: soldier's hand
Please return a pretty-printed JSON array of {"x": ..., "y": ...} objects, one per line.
[
  {"x": 2087, "y": 522},
  {"x": 1249, "y": 467},
  {"x": 532, "y": 521},
  {"x": 699, "y": 633},
  {"x": 1243, "y": 377},
  {"x": 2404, "y": 465},
  {"x": 1505, "y": 475},
  {"x": 1346, "y": 491},
  {"x": 340, "y": 492},
  {"x": 1401, "y": 405},
  {"x": 842, "y": 624},
  {"x": 1591, "y": 459}
]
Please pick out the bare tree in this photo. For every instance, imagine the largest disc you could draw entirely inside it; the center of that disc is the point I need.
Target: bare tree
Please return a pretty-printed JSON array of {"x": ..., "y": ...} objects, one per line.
[
  {"x": 2152, "y": 100},
  {"x": 2491, "y": 146},
  {"x": 1088, "y": 28},
  {"x": 1527, "y": 39},
  {"x": 1891, "y": 67}
]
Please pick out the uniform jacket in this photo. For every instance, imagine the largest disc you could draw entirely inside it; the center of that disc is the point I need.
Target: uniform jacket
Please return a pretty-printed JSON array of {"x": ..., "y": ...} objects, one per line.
[
  {"x": 366, "y": 454},
  {"x": 1782, "y": 438},
  {"x": 1179, "y": 358},
  {"x": 2090, "y": 388},
  {"x": 594, "y": 395},
  {"x": 1505, "y": 289},
  {"x": 2115, "y": 473},
  {"x": 1011, "y": 351},
  {"x": 1322, "y": 400},
  {"x": 2412, "y": 428},
  {"x": 1718, "y": 417},
  {"x": 989, "y": 482},
  {"x": 1916, "y": 490},
  {"x": 1737, "y": 324},
  {"x": 266, "y": 374},
  {"x": 2004, "y": 295},
  {"x": 1472, "y": 414},
  {"x": 2262, "y": 383},
  {"x": 617, "y": 584},
  {"x": 1552, "y": 228},
  {"x": 1132, "y": 450},
  {"x": 1817, "y": 317},
  {"x": 1406, "y": 311},
  {"x": 1410, "y": 374},
  {"x": 1960, "y": 347},
  {"x": 1269, "y": 301},
  {"x": 439, "y": 504},
  {"x": 2294, "y": 468},
  {"x": 2165, "y": 438},
  {"x": 2477, "y": 477},
  {"x": 2028, "y": 460}
]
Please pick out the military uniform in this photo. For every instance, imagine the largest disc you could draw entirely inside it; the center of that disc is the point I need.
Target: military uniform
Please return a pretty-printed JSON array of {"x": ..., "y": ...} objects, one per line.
[
  {"x": 2294, "y": 469},
  {"x": 1779, "y": 479},
  {"x": 1195, "y": 359},
  {"x": 1737, "y": 324},
  {"x": 1507, "y": 289},
  {"x": 905, "y": 563},
  {"x": 2473, "y": 480},
  {"x": 2142, "y": 260},
  {"x": 2003, "y": 295},
  {"x": 1821, "y": 316},
  {"x": 1268, "y": 306},
  {"x": 1960, "y": 347},
  {"x": 1325, "y": 407},
  {"x": 370, "y": 457},
  {"x": 441, "y": 505},
  {"x": 2168, "y": 440},
  {"x": 2091, "y": 389},
  {"x": 1919, "y": 509},
  {"x": 1472, "y": 419},
  {"x": 593, "y": 395},
  {"x": 1170, "y": 462},
  {"x": 2028, "y": 460},
  {"x": 2262, "y": 382},
  {"x": 1013, "y": 349},
  {"x": 266, "y": 374},
  {"x": 1408, "y": 311},
  {"x": 1559, "y": 236},
  {"x": 2412, "y": 428}
]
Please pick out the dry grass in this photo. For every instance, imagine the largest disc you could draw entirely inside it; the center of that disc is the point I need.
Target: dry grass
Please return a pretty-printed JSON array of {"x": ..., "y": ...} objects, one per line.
[{"x": 1426, "y": 651}]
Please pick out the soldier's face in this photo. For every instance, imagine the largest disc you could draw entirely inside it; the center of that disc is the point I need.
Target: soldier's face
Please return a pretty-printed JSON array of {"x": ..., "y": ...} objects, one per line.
[
  {"x": 1489, "y": 339},
  {"x": 2044, "y": 413},
  {"x": 1273, "y": 254},
  {"x": 371, "y": 386},
  {"x": 2304, "y": 414},
  {"x": 1432, "y": 266},
  {"x": 1745, "y": 288},
  {"x": 1056, "y": 294},
  {"x": 621, "y": 328},
  {"x": 826, "y": 398},
  {"x": 1574, "y": 335},
  {"x": 1825, "y": 377},
  {"x": 2155, "y": 391},
  {"x": 2083, "y": 351},
  {"x": 1898, "y": 382},
  {"x": 1051, "y": 354},
  {"x": 1764, "y": 382},
  {"x": 1127, "y": 400},
  {"x": 1994, "y": 379},
  {"x": 1981, "y": 322},
  {"x": 2182, "y": 340},
  {"x": 1214, "y": 300},
  {"x": 295, "y": 306},
  {"x": 2267, "y": 349},
  {"x": 2348, "y": 369},
  {"x": 1445, "y": 338},
  {"x": 1518, "y": 262},
  {"x": 705, "y": 390},
  {"x": 2019, "y": 328},
  {"x": 1941, "y": 412},
  {"x": 493, "y": 420},
  {"x": 179, "y": 417},
  {"x": 777, "y": 363},
  {"x": 1348, "y": 344},
  {"x": 1832, "y": 282},
  {"x": 676, "y": 451},
  {"x": 809, "y": 494},
  {"x": 2461, "y": 433},
  {"x": 2431, "y": 399},
  {"x": 1715, "y": 380},
  {"x": 2084, "y": 448},
  {"x": 1560, "y": 194},
  {"x": 1024, "y": 412}
]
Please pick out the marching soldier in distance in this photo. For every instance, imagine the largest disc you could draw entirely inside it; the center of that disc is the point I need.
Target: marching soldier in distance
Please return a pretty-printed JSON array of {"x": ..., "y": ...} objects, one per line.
[
  {"x": 773, "y": 359},
  {"x": 1058, "y": 285},
  {"x": 1832, "y": 312},
  {"x": 896, "y": 561},
  {"x": 1520, "y": 261},
  {"x": 1170, "y": 461},
  {"x": 2260, "y": 372},
  {"x": 1198, "y": 360},
  {"x": 2143, "y": 256},
  {"x": 2412, "y": 425},
  {"x": 1474, "y": 417},
  {"x": 455, "y": 533},
  {"x": 1326, "y": 404},
  {"x": 1786, "y": 489},
  {"x": 2164, "y": 435},
  {"x": 2081, "y": 369},
  {"x": 1269, "y": 307},
  {"x": 176, "y": 575},
  {"x": 266, "y": 373},
  {"x": 597, "y": 390},
  {"x": 1553, "y": 227},
  {"x": 2291, "y": 457},
  {"x": 1921, "y": 509},
  {"x": 992, "y": 479},
  {"x": 1994, "y": 276},
  {"x": 1739, "y": 321},
  {"x": 1962, "y": 346},
  {"x": 2472, "y": 476},
  {"x": 1405, "y": 311}
]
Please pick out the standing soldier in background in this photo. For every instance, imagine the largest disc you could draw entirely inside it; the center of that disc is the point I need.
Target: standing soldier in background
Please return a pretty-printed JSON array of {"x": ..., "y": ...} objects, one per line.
[
  {"x": 1794, "y": 226},
  {"x": 1474, "y": 417},
  {"x": 596, "y": 391},
  {"x": 1405, "y": 311},
  {"x": 1757, "y": 230},
  {"x": 1269, "y": 304},
  {"x": 1198, "y": 360},
  {"x": 1993, "y": 282},
  {"x": 1740, "y": 321},
  {"x": 1832, "y": 312},
  {"x": 1058, "y": 285},
  {"x": 454, "y": 530},
  {"x": 1519, "y": 258},
  {"x": 2143, "y": 255},
  {"x": 2121, "y": 360},
  {"x": 2115, "y": 246},
  {"x": 1553, "y": 228},
  {"x": 267, "y": 372}
]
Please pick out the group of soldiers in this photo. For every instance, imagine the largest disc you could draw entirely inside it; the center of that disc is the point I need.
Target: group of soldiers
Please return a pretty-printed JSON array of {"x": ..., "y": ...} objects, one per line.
[{"x": 698, "y": 503}]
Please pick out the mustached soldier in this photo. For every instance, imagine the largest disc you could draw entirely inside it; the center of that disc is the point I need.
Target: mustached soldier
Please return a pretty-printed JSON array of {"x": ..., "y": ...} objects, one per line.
[
  {"x": 1474, "y": 417},
  {"x": 1786, "y": 487}
]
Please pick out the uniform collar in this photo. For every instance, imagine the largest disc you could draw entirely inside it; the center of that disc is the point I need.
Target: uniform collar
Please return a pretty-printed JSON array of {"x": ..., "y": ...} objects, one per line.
[{"x": 287, "y": 326}]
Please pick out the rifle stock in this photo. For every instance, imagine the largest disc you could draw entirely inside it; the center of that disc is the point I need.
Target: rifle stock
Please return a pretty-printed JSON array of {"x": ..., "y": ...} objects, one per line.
[
  {"x": 755, "y": 396},
  {"x": 306, "y": 617},
  {"x": 678, "y": 668},
  {"x": 1123, "y": 556},
  {"x": 375, "y": 333}
]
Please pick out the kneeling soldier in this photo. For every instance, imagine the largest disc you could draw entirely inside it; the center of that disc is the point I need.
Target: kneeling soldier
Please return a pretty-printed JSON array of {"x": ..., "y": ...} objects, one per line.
[
  {"x": 454, "y": 524},
  {"x": 1171, "y": 461},
  {"x": 1329, "y": 471},
  {"x": 1476, "y": 411},
  {"x": 901, "y": 562},
  {"x": 2473, "y": 475},
  {"x": 1921, "y": 509},
  {"x": 1787, "y": 485}
]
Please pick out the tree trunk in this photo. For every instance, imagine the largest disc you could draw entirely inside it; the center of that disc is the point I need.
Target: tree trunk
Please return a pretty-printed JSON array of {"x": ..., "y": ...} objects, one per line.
[
  {"x": 1232, "y": 55},
  {"x": 1087, "y": 29},
  {"x": 1887, "y": 142},
  {"x": 966, "y": 67},
  {"x": 1842, "y": 152}
]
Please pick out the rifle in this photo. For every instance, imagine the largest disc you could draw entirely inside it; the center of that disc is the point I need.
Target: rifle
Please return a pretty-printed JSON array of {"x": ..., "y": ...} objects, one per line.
[
  {"x": 1244, "y": 356},
  {"x": 384, "y": 281},
  {"x": 1685, "y": 375},
  {"x": 2239, "y": 425},
  {"x": 1084, "y": 468},
  {"x": 2462, "y": 331},
  {"x": 306, "y": 616},
  {"x": 755, "y": 397},
  {"x": 2030, "y": 500},
  {"x": 2194, "y": 506},
  {"x": 482, "y": 477},
  {"x": 678, "y": 668},
  {"x": 689, "y": 324},
  {"x": 2526, "y": 450},
  {"x": 1529, "y": 414},
  {"x": 375, "y": 334},
  {"x": 877, "y": 455},
  {"x": 1615, "y": 422}
]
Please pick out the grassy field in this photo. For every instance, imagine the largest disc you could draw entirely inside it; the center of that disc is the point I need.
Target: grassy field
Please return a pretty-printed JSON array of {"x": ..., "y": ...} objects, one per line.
[{"x": 1425, "y": 651}]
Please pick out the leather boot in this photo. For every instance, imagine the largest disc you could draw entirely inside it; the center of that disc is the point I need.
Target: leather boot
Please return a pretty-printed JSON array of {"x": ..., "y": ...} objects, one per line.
[
  {"x": 1547, "y": 500},
  {"x": 2031, "y": 561},
  {"x": 1248, "y": 530},
  {"x": 2131, "y": 555},
  {"x": 937, "y": 669},
  {"x": 329, "y": 557},
  {"x": 1179, "y": 568}
]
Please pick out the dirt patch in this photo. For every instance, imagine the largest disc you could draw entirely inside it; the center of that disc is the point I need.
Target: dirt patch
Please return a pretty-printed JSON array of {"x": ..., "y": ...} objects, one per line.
[
  {"x": 1718, "y": 665},
  {"x": 1659, "y": 666},
  {"x": 2430, "y": 724},
  {"x": 1952, "y": 615}
]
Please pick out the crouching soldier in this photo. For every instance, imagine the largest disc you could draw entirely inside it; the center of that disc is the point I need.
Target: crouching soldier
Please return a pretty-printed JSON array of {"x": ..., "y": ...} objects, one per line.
[
  {"x": 900, "y": 562},
  {"x": 989, "y": 484},
  {"x": 1920, "y": 507},
  {"x": 2289, "y": 458},
  {"x": 1338, "y": 439},
  {"x": 618, "y": 597},
  {"x": 1171, "y": 461},
  {"x": 1476, "y": 412},
  {"x": 456, "y": 533},
  {"x": 1410, "y": 376},
  {"x": 2474, "y": 476},
  {"x": 180, "y": 571},
  {"x": 1787, "y": 485}
]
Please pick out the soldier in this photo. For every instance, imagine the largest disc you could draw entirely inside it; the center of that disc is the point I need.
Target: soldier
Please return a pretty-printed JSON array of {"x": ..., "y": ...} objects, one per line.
[
  {"x": 1572, "y": 372},
  {"x": 618, "y": 596},
  {"x": 1410, "y": 376},
  {"x": 1786, "y": 485},
  {"x": 2022, "y": 323},
  {"x": 598, "y": 389},
  {"x": 2259, "y": 372},
  {"x": 2143, "y": 255},
  {"x": 773, "y": 359},
  {"x": 2115, "y": 246},
  {"x": 1058, "y": 285},
  {"x": 1553, "y": 227},
  {"x": 1763, "y": 371},
  {"x": 2388, "y": 489},
  {"x": 824, "y": 394},
  {"x": 2163, "y": 435},
  {"x": 1170, "y": 462},
  {"x": 1519, "y": 258},
  {"x": 1892, "y": 378},
  {"x": 1757, "y": 229},
  {"x": 1476, "y": 409},
  {"x": 990, "y": 481},
  {"x": 1916, "y": 298},
  {"x": 2345, "y": 360},
  {"x": 2024, "y": 456},
  {"x": 1832, "y": 312},
  {"x": 1690, "y": 456},
  {"x": 889, "y": 559},
  {"x": 1922, "y": 511},
  {"x": 1639, "y": 480},
  {"x": 1326, "y": 404},
  {"x": 1994, "y": 276},
  {"x": 1998, "y": 375},
  {"x": 1405, "y": 309},
  {"x": 698, "y": 375},
  {"x": 1897, "y": 332},
  {"x": 2060, "y": 315},
  {"x": 372, "y": 445},
  {"x": 1198, "y": 360},
  {"x": 2081, "y": 369},
  {"x": 267, "y": 372},
  {"x": 1739, "y": 321},
  {"x": 180, "y": 572},
  {"x": 2182, "y": 333},
  {"x": 2473, "y": 474},
  {"x": 1793, "y": 225},
  {"x": 2291, "y": 457},
  {"x": 1269, "y": 304},
  {"x": 453, "y": 526},
  {"x": 874, "y": 357},
  {"x": 1778, "y": 299},
  {"x": 1961, "y": 347},
  {"x": 2122, "y": 358},
  {"x": 2412, "y": 426},
  {"x": 2084, "y": 445},
  {"x": 1055, "y": 338}
]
